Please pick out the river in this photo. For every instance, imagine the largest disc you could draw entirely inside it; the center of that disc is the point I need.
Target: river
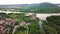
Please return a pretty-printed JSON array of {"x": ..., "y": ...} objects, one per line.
[
  {"x": 38, "y": 15},
  {"x": 43, "y": 15}
]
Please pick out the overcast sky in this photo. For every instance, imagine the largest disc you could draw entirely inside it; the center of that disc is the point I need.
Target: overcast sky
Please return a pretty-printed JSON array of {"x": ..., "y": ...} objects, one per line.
[{"x": 27, "y": 1}]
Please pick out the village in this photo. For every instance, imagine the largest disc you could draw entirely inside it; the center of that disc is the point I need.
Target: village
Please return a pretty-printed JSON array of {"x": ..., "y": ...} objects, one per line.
[{"x": 8, "y": 24}]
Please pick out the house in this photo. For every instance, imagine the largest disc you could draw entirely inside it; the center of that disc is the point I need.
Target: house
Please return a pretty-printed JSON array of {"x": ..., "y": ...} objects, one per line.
[
  {"x": 1, "y": 29},
  {"x": 9, "y": 21},
  {"x": 2, "y": 21},
  {"x": 23, "y": 23},
  {"x": 33, "y": 16}
]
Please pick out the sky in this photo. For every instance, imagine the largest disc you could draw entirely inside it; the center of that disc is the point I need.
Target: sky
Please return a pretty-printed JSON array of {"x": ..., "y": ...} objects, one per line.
[{"x": 3, "y": 2}]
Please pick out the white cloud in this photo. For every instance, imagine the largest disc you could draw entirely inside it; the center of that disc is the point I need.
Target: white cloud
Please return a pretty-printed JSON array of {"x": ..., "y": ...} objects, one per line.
[{"x": 26, "y": 1}]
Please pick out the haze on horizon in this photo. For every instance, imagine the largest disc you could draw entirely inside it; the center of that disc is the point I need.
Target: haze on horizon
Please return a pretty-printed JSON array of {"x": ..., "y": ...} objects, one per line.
[{"x": 3, "y": 2}]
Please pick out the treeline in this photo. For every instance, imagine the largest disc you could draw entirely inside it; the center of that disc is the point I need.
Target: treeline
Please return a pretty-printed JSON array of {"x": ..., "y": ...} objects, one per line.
[
  {"x": 52, "y": 26},
  {"x": 41, "y": 10}
]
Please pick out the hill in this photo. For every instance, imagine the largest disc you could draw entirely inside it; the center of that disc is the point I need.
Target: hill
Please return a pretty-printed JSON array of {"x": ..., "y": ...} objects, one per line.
[
  {"x": 45, "y": 4},
  {"x": 36, "y": 8}
]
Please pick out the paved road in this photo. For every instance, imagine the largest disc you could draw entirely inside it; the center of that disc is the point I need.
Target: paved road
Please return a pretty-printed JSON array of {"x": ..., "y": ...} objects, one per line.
[{"x": 15, "y": 28}]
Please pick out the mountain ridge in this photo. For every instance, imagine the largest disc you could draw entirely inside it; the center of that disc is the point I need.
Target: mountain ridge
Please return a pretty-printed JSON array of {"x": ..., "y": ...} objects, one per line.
[{"x": 45, "y": 4}]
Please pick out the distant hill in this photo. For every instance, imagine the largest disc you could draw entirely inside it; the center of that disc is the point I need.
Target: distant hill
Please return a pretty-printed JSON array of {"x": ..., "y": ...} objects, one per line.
[
  {"x": 36, "y": 8},
  {"x": 46, "y": 4},
  {"x": 37, "y": 5}
]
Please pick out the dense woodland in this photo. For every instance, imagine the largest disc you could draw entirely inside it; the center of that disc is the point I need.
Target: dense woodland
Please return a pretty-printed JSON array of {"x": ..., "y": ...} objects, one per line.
[{"x": 42, "y": 10}]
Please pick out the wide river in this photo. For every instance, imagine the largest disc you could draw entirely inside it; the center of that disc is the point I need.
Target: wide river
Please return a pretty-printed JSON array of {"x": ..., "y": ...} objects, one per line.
[
  {"x": 43, "y": 16},
  {"x": 39, "y": 15}
]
